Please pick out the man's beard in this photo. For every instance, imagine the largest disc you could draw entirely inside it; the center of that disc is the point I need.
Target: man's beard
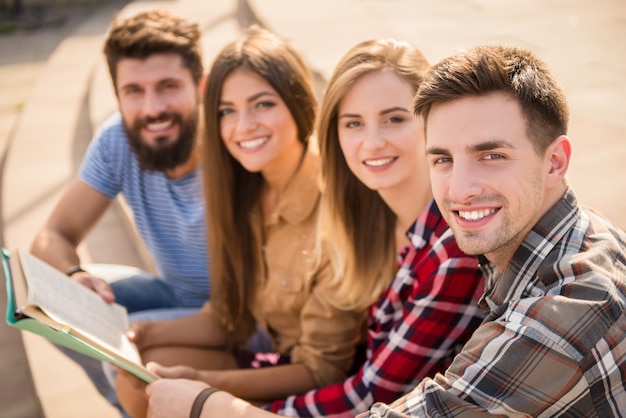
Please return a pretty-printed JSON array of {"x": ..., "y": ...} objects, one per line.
[{"x": 164, "y": 157}]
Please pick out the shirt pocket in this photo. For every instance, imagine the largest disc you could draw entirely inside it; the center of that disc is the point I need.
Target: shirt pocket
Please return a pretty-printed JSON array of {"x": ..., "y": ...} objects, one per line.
[{"x": 284, "y": 292}]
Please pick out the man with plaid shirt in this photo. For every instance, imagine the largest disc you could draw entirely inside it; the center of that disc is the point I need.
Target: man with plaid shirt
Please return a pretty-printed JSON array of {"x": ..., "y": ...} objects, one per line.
[{"x": 554, "y": 339}]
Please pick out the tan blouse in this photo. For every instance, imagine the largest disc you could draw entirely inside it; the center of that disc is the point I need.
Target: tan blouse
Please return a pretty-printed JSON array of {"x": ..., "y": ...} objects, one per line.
[{"x": 292, "y": 302}]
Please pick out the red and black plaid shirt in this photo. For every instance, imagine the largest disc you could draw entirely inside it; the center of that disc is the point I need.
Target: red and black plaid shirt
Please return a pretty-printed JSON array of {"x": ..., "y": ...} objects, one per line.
[{"x": 419, "y": 323}]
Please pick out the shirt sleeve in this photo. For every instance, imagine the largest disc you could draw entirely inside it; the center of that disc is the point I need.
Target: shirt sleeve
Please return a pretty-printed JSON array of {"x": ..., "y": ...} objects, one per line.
[
  {"x": 508, "y": 367},
  {"x": 427, "y": 329},
  {"x": 103, "y": 164},
  {"x": 329, "y": 338}
]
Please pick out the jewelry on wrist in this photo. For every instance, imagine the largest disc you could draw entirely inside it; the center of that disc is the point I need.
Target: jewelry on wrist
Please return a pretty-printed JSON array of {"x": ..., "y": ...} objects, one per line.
[
  {"x": 198, "y": 403},
  {"x": 74, "y": 270}
]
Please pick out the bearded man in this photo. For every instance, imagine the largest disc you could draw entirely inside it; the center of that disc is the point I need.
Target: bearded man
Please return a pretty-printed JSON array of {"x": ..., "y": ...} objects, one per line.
[{"x": 148, "y": 152}]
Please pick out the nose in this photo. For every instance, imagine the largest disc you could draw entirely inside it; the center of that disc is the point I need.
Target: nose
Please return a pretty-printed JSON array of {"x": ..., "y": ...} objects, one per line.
[
  {"x": 374, "y": 139},
  {"x": 464, "y": 182},
  {"x": 153, "y": 104},
  {"x": 245, "y": 121}
]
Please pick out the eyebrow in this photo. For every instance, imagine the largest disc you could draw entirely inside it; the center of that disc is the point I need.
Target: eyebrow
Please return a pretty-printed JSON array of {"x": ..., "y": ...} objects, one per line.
[
  {"x": 480, "y": 147},
  {"x": 253, "y": 97},
  {"x": 158, "y": 82},
  {"x": 384, "y": 112},
  {"x": 490, "y": 145}
]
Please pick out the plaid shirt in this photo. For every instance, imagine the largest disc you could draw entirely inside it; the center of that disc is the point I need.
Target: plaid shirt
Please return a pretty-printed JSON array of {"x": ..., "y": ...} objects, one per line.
[
  {"x": 554, "y": 342},
  {"x": 415, "y": 329}
]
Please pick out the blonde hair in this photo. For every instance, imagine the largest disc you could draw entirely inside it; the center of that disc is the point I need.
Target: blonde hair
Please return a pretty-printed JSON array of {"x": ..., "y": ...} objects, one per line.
[{"x": 357, "y": 224}]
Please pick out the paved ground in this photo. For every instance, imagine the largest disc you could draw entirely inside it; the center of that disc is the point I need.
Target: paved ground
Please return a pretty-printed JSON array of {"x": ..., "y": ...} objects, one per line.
[{"x": 54, "y": 90}]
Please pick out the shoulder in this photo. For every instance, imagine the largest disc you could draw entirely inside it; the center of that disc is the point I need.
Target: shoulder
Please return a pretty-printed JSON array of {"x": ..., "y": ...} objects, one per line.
[{"x": 112, "y": 132}]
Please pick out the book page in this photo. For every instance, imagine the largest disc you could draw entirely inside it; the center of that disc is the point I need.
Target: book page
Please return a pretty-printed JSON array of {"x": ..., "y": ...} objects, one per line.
[{"x": 76, "y": 306}]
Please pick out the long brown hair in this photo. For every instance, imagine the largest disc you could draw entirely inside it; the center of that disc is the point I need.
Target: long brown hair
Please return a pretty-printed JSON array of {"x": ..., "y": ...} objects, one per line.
[
  {"x": 357, "y": 223},
  {"x": 231, "y": 191}
]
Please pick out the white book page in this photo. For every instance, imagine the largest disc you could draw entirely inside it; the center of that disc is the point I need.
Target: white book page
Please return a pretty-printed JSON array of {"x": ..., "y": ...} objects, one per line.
[{"x": 76, "y": 306}]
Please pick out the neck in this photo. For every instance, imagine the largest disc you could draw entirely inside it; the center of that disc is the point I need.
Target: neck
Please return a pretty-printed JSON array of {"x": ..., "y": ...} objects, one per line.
[
  {"x": 504, "y": 254},
  {"x": 278, "y": 177},
  {"x": 408, "y": 202}
]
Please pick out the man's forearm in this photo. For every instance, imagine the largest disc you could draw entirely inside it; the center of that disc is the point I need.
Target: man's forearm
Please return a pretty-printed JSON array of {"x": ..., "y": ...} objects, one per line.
[{"x": 55, "y": 250}]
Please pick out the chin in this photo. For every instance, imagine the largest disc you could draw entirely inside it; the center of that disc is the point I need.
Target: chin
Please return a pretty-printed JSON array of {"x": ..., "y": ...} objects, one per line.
[
  {"x": 252, "y": 168},
  {"x": 470, "y": 246}
]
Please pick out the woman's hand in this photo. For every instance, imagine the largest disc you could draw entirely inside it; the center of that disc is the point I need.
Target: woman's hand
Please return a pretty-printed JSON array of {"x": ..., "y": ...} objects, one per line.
[{"x": 174, "y": 372}]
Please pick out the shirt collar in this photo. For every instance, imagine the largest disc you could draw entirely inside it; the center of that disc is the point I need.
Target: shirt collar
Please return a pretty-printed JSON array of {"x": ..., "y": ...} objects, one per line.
[
  {"x": 425, "y": 225},
  {"x": 515, "y": 281}
]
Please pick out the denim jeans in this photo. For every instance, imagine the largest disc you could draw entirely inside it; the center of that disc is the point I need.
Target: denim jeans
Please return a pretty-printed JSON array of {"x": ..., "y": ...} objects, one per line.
[{"x": 143, "y": 294}]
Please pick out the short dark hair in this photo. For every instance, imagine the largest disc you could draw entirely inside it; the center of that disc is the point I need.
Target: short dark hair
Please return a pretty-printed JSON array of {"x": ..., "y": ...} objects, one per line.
[
  {"x": 154, "y": 32},
  {"x": 487, "y": 69}
]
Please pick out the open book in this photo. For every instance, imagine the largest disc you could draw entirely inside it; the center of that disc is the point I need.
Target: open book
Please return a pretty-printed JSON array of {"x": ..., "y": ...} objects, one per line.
[{"x": 43, "y": 300}]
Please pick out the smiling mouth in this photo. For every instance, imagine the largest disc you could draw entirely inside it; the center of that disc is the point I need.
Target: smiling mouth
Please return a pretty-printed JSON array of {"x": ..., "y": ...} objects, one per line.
[
  {"x": 475, "y": 215},
  {"x": 159, "y": 126},
  {"x": 379, "y": 162},
  {"x": 253, "y": 143}
]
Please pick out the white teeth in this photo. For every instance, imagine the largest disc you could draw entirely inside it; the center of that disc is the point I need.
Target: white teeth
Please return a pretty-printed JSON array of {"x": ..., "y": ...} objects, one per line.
[
  {"x": 158, "y": 126},
  {"x": 475, "y": 214},
  {"x": 253, "y": 143},
  {"x": 378, "y": 163}
]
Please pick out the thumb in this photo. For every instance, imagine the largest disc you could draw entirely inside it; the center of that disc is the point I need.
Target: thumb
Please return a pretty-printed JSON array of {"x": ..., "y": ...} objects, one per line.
[{"x": 156, "y": 368}]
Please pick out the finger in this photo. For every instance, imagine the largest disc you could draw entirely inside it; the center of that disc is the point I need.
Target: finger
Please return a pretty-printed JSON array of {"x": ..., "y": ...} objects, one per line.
[
  {"x": 103, "y": 289},
  {"x": 164, "y": 371},
  {"x": 85, "y": 279},
  {"x": 135, "y": 330},
  {"x": 154, "y": 367}
]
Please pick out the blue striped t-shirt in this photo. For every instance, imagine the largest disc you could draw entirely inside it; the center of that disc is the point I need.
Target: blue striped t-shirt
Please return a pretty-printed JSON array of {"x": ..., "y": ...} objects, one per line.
[{"x": 169, "y": 214}]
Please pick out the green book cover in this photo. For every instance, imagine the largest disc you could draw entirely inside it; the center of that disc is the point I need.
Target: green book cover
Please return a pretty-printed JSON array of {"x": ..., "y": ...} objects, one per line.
[{"x": 59, "y": 333}]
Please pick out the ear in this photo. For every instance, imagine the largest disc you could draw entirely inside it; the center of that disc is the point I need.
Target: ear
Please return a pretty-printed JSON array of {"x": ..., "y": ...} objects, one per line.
[
  {"x": 558, "y": 157},
  {"x": 202, "y": 85}
]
